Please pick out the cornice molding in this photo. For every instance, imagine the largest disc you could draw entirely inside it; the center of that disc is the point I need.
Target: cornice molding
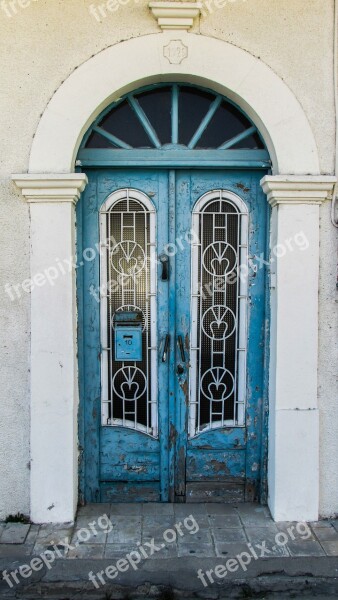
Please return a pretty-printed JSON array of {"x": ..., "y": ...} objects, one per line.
[
  {"x": 175, "y": 15},
  {"x": 298, "y": 189},
  {"x": 51, "y": 188}
]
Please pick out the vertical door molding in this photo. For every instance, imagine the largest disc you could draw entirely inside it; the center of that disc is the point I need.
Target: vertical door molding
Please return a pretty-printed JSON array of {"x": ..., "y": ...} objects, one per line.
[
  {"x": 293, "y": 471},
  {"x": 54, "y": 386}
]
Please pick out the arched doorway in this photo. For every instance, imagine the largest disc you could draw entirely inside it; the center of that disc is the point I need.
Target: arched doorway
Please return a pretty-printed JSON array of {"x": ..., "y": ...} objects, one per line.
[
  {"x": 52, "y": 188},
  {"x": 173, "y": 307}
]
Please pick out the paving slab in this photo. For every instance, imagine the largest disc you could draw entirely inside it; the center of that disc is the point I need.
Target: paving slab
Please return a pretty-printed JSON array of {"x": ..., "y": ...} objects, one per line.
[
  {"x": 125, "y": 535},
  {"x": 96, "y": 510},
  {"x": 330, "y": 548},
  {"x": 123, "y": 510},
  {"x": 158, "y": 524},
  {"x": 266, "y": 541},
  {"x": 160, "y": 510},
  {"x": 47, "y": 538},
  {"x": 229, "y": 535},
  {"x": 118, "y": 550},
  {"x": 85, "y": 536},
  {"x": 201, "y": 520},
  {"x": 326, "y": 534},
  {"x": 8, "y": 551},
  {"x": 305, "y": 548},
  {"x": 196, "y": 550},
  {"x": 32, "y": 535},
  {"x": 322, "y": 523},
  {"x": 296, "y": 530},
  {"x": 254, "y": 516},
  {"x": 167, "y": 551},
  {"x": 221, "y": 509},
  {"x": 225, "y": 521},
  {"x": 334, "y": 524},
  {"x": 190, "y": 508},
  {"x": 14, "y": 533},
  {"x": 200, "y": 537},
  {"x": 230, "y": 549},
  {"x": 93, "y": 551}
]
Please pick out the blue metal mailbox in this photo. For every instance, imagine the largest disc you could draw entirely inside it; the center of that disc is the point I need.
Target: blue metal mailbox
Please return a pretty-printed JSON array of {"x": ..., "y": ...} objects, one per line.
[{"x": 128, "y": 336}]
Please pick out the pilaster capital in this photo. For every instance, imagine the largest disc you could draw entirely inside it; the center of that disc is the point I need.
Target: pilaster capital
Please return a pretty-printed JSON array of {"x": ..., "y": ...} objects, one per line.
[
  {"x": 298, "y": 189},
  {"x": 53, "y": 188}
]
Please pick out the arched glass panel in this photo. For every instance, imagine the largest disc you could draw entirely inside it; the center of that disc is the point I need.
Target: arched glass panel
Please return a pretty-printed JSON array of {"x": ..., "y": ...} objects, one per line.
[
  {"x": 219, "y": 307},
  {"x": 128, "y": 308}
]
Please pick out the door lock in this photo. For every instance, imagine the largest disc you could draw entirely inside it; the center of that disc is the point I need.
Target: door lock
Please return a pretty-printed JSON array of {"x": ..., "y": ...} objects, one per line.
[{"x": 180, "y": 369}]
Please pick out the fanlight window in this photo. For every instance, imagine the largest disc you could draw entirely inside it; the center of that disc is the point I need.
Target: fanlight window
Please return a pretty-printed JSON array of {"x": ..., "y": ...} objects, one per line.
[
  {"x": 173, "y": 116},
  {"x": 219, "y": 312}
]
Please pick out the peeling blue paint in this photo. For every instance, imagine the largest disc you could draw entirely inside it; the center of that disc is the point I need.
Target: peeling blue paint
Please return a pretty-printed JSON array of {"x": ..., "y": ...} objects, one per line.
[{"x": 120, "y": 464}]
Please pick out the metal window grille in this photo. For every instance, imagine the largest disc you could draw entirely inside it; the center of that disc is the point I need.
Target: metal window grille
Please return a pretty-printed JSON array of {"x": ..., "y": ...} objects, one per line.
[
  {"x": 219, "y": 313},
  {"x": 128, "y": 283}
]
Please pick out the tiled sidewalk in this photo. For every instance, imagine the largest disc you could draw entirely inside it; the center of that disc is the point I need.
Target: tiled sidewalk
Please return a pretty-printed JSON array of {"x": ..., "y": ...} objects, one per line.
[{"x": 223, "y": 531}]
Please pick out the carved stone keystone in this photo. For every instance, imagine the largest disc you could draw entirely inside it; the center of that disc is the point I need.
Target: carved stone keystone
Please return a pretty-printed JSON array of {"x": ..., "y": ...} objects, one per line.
[{"x": 175, "y": 15}]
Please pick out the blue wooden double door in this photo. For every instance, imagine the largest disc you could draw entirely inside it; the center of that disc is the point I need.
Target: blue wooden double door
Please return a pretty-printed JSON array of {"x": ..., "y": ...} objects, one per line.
[{"x": 172, "y": 326}]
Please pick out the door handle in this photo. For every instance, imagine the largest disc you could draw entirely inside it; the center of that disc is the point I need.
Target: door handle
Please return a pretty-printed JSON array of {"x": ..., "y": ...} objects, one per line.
[
  {"x": 166, "y": 348},
  {"x": 164, "y": 260},
  {"x": 181, "y": 347}
]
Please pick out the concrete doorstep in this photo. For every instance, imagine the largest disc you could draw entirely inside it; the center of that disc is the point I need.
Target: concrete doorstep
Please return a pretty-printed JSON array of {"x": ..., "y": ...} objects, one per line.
[
  {"x": 169, "y": 551},
  {"x": 177, "y": 578}
]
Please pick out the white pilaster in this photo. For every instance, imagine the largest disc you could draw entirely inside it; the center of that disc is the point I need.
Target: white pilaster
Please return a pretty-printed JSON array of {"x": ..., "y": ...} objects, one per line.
[
  {"x": 293, "y": 471},
  {"x": 54, "y": 386}
]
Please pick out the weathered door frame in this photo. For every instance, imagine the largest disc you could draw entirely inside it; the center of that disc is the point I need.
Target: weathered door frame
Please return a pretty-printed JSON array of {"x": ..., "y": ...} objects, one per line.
[{"x": 175, "y": 441}]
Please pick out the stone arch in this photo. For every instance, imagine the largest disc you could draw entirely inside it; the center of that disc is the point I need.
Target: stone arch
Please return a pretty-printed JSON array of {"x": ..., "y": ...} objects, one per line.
[{"x": 212, "y": 63}]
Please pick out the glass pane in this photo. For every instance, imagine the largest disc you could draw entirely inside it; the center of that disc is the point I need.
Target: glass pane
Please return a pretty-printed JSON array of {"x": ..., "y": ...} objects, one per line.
[
  {"x": 227, "y": 122},
  {"x": 215, "y": 315},
  {"x": 157, "y": 106},
  {"x": 193, "y": 104},
  {"x": 96, "y": 140},
  {"x": 251, "y": 143},
  {"x": 124, "y": 124},
  {"x": 219, "y": 235},
  {"x": 128, "y": 227}
]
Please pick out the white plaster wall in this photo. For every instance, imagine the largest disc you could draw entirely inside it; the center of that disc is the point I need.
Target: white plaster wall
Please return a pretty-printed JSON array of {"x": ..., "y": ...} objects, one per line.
[
  {"x": 39, "y": 47},
  {"x": 328, "y": 365},
  {"x": 14, "y": 355}
]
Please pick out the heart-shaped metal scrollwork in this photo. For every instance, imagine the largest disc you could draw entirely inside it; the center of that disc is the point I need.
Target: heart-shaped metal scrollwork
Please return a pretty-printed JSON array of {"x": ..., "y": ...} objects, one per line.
[
  {"x": 127, "y": 258},
  {"x": 218, "y": 322},
  {"x": 217, "y": 384},
  {"x": 129, "y": 383},
  {"x": 219, "y": 259}
]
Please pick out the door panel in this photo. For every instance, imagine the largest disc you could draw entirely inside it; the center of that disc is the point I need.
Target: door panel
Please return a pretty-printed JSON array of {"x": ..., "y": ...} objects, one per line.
[
  {"x": 224, "y": 464},
  {"x": 122, "y": 462},
  {"x": 176, "y": 462}
]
